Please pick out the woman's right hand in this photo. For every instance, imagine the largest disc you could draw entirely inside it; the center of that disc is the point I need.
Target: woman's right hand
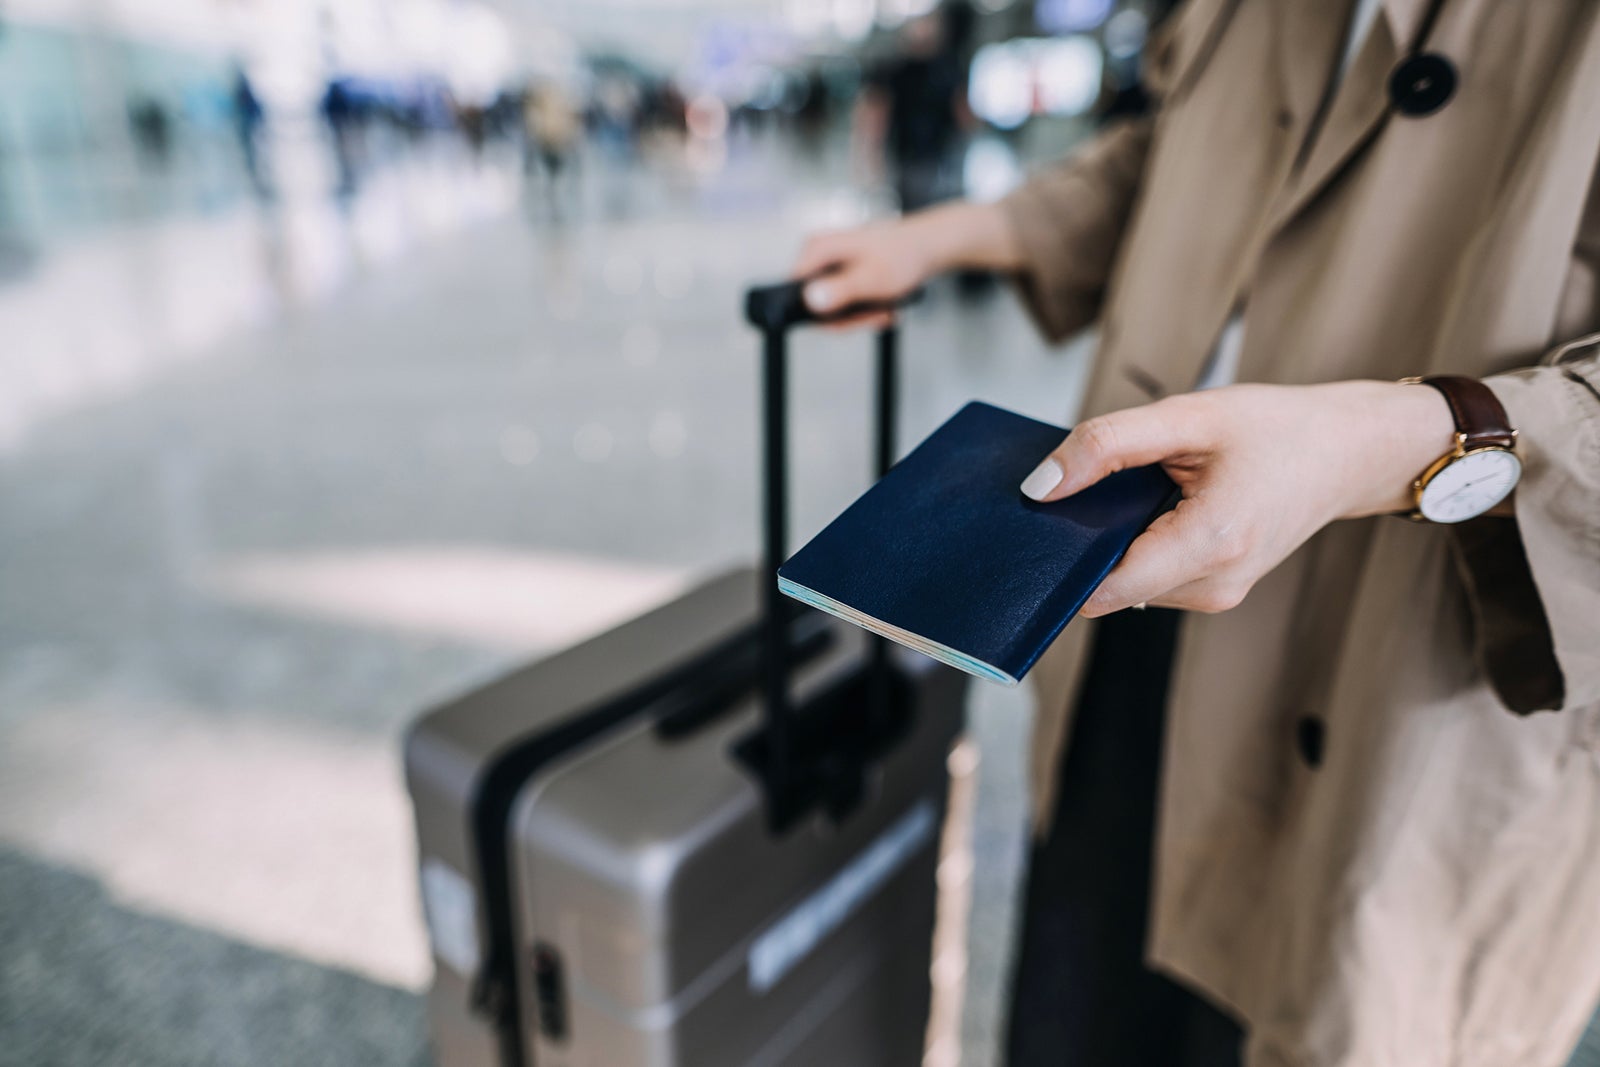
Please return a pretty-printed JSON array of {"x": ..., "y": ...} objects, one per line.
[{"x": 883, "y": 261}]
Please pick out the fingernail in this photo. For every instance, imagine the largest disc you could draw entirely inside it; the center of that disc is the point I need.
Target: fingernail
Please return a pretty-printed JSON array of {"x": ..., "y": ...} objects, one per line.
[
  {"x": 1045, "y": 477},
  {"x": 819, "y": 297}
]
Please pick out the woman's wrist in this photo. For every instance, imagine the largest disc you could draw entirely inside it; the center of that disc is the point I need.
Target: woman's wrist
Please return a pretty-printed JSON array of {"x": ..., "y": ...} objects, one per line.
[
  {"x": 1399, "y": 430},
  {"x": 964, "y": 235}
]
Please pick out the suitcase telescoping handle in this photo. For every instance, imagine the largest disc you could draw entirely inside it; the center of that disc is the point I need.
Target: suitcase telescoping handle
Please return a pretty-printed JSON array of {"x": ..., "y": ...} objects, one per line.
[{"x": 774, "y": 310}]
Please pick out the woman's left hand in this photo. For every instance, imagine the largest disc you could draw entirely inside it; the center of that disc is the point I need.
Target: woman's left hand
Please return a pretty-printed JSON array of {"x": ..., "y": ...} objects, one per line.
[{"x": 1261, "y": 467}]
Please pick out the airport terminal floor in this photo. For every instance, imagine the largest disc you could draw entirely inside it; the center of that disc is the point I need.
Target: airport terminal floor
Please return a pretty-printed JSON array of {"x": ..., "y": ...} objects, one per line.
[{"x": 277, "y": 475}]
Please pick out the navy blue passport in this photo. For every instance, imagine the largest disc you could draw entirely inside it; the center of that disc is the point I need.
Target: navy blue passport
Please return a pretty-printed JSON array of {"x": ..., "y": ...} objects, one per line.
[{"x": 946, "y": 556}]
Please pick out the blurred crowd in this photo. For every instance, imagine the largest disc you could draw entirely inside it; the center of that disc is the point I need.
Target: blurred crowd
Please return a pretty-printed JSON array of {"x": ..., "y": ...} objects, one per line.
[{"x": 933, "y": 102}]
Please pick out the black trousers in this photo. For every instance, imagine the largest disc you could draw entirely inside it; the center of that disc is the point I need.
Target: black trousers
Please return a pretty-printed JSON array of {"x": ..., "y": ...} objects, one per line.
[{"x": 1081, "y": 994}]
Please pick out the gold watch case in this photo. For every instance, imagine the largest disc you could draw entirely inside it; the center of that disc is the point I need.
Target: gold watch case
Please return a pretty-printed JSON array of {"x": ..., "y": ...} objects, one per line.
[{"x": 1460, "y": 452}]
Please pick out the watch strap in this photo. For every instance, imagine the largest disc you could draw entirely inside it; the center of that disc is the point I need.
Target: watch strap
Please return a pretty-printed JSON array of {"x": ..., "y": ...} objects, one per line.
[{"x": 1481, "y": 420}]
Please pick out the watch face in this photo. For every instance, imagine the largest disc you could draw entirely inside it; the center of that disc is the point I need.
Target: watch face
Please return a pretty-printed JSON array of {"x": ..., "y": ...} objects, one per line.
[{"x": 1470, "y": 485}]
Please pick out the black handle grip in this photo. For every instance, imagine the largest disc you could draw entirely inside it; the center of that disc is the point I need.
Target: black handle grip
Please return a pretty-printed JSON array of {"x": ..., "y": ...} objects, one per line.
[{"x": 775, "y": 308}]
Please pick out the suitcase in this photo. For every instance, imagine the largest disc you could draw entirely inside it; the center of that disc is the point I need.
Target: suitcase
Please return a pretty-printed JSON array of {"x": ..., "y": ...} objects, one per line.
[{"x": 707, "y": 837}]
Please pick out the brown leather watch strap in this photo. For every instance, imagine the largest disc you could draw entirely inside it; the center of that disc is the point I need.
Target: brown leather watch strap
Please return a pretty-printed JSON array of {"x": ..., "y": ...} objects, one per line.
[{"x": 1481, "y": 420}]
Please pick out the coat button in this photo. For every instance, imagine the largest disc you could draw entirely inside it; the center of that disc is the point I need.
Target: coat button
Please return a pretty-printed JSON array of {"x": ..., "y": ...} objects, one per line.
[
  {"x": 1422, "y": 84},
  {"x": 1310, "y": 738}
]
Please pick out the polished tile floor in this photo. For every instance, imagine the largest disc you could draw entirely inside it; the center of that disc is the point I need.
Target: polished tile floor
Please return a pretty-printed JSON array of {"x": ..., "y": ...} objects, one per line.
[{"x": 273, "y": 480}]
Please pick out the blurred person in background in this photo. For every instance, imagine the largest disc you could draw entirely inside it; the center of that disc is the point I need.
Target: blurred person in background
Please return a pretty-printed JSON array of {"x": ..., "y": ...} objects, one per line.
[
  {"x": 913, "y": 112},
  {"x": 666, "y": 110},
  {"x": 615, "y": 116},
  {"x": 815, "y": 112},
  {"x": 473, "y": 122},
  {"x": 341, "y": 111},
  {"x": 615, "y": 124},
  {"x": 551, "y": 130},
  {"x": 1375, "y": 742},
  {"x": 152, "y": 130},
  {"x": 248, "y": 119}
]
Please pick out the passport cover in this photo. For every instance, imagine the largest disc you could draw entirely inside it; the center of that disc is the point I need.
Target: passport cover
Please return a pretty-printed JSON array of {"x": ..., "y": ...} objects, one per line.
[{"x": 945, "y": 555}]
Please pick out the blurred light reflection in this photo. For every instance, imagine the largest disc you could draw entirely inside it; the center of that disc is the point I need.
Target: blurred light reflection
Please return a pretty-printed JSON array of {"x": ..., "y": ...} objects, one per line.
[{"x": 520, "y": 600}]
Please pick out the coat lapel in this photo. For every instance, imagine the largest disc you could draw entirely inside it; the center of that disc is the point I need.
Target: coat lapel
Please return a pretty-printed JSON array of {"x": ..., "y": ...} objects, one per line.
[
  {"x": 1361, "y": 104},
  {"x": 1405, "y": 19},
  {"x": 1308, "y": 35}
]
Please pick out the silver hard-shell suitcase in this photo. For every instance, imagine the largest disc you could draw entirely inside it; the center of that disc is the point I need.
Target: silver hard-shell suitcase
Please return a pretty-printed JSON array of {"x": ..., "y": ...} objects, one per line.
[{"x": 705, "y": 838}]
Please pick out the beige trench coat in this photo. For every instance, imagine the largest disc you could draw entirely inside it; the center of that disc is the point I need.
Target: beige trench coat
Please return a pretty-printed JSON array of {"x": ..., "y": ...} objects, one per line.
[{"x": 1429, "y": 896}]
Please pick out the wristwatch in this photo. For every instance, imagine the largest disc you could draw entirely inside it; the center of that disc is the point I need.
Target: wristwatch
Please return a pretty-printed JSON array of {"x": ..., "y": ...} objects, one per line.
[{"x": 1482, "y": 469}]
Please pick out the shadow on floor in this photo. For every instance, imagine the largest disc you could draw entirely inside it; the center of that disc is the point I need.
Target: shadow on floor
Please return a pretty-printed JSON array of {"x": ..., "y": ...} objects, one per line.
[{"x": 85, "y": 981}]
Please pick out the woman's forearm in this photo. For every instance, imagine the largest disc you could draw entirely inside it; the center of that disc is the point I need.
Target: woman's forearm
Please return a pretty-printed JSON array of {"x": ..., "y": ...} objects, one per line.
[{"x": 964, "y": 235}]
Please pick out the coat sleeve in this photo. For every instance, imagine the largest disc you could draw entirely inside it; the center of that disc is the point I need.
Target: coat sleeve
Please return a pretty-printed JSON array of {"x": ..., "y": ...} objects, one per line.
[
  {"x": 1068, "y": 220},
  {"x": 1534, "y": 581}
]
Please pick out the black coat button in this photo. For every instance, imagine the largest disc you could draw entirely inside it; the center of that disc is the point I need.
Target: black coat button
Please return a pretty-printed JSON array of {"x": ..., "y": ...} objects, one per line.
[
  {"x": 1422, "y": 84},
  {"x": 1311, "y": 738}
]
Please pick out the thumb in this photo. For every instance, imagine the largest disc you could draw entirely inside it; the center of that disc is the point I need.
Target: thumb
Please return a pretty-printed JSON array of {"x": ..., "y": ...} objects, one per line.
[{"x": 1104, "y": 445}]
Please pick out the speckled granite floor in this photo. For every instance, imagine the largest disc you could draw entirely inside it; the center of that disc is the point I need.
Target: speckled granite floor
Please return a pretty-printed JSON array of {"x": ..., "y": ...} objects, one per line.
[
  {"x": 235, "y": 563},
  {"x": 88, "y": 981}
]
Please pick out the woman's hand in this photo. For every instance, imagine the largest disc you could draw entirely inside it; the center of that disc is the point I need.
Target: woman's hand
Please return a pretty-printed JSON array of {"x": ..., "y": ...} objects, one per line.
[
  {"x": 883, "y": 261},
  {"x": 1261, "y": 467},
  {"x": 876, "y": 263}
]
